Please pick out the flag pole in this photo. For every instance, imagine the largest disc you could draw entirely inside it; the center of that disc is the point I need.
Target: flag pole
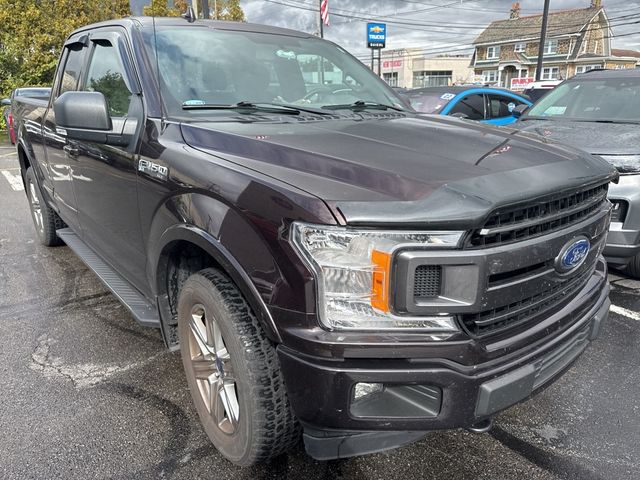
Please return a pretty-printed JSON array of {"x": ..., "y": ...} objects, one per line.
[{"x": 321, "y": 29}]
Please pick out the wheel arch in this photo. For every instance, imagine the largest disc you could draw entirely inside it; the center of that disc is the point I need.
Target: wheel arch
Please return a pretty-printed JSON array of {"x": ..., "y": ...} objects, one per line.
[{"x": 184, "y": 238}]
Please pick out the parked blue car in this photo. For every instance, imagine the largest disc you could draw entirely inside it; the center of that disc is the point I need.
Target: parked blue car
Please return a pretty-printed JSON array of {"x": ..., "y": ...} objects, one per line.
[{"x": 486, "y": 104}]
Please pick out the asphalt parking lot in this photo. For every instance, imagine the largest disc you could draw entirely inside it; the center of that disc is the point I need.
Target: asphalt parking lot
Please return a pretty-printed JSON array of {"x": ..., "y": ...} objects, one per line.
[{"x": 86, "y": 393}]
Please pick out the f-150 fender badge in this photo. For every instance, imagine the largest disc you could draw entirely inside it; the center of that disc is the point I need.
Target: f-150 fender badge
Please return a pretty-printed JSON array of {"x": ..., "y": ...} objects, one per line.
[{"x": 153, "y": 169}]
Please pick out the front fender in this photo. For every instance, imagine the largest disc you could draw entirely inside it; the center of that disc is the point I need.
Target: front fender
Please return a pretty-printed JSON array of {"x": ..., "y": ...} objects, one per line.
[
  {"x": 248, "y": 244},
  {"x": 196, "y": 235}
]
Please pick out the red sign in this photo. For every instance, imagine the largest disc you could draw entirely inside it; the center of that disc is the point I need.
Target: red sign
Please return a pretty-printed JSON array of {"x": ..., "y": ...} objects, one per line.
[
  {"x": 392, "y": 63},
  {"x": 521, "y": 83}
]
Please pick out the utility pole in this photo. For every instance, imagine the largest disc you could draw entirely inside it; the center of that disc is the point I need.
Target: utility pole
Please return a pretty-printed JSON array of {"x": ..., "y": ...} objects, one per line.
[
  {"x": 543, "y": 37},
  {"x": 205, "y": 9},
  {"x": 215, "y": 9}
]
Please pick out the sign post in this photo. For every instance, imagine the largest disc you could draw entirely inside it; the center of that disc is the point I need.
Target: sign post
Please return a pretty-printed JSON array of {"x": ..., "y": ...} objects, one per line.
[{"x": 376, "y": 40}]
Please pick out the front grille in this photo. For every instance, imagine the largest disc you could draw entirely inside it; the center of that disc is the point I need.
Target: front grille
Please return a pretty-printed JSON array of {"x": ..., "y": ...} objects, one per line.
[
  {"x": 427, "y": 281},
  {"x": 533, "y": 219},
  {"x": 528, "y": 309}
]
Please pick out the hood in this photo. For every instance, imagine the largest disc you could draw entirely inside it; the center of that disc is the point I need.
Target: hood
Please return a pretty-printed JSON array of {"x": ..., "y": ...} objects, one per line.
[
  {"x": 592, "y": 137},
  {"x": 395, "y": 168}
]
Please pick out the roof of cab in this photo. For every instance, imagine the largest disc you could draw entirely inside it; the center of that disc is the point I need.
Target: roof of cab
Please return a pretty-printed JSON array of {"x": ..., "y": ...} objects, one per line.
[
  {"x": 603, "y": 73},
  {"x": 178, "y": 21}
]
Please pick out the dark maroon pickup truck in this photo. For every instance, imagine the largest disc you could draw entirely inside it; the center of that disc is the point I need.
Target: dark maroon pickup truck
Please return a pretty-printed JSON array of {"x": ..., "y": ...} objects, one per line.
[{"x": 331, "y": 265}]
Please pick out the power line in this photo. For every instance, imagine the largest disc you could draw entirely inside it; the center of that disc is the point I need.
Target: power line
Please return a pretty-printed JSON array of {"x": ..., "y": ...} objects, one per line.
[{"x": 353, "y": 14}]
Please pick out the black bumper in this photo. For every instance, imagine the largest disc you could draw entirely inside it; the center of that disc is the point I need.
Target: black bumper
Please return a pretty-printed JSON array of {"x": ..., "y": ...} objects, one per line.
[{"x": 322, "y": 392}]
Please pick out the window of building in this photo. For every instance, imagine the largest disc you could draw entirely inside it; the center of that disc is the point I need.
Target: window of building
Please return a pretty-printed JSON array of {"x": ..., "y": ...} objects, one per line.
[
  {"x": 550, "y": 73},
  {"x": 490, "y": 76},
  {"x": 586, "y": 68},
  {"x": 391, "y": 78},
  {"x": 471, "y": 107},
  {"x": 520, "y": 47},
  {"x": 550, "y": 47},
  {"x": 493, "y": 52},
  {"x": 524, "y": 73},
  {"x": 432, "y": 78}
]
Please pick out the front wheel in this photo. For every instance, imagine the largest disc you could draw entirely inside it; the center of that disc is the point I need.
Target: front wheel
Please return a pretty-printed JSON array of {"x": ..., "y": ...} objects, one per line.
[
  {"x": 233, "y": 372},
  {"x": 45, "y": 220}
]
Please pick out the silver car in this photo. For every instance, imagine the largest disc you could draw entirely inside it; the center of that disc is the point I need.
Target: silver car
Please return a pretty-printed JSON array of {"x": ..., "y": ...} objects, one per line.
[{"x": 599, "y": 111}]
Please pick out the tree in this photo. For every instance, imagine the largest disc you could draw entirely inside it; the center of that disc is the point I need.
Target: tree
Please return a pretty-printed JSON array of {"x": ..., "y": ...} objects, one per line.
[
  {"x": 231, "y": 10},
  {"x": 160, "y": 8},
  {"x": 33, "y": 32}
]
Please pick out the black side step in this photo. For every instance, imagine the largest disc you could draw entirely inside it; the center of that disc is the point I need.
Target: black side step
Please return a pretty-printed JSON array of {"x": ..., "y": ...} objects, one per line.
[{"x": 143, "y": 311}]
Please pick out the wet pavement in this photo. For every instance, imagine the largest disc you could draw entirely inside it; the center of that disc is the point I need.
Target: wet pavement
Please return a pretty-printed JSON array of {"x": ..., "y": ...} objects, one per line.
[{"x": 86, "y": 393}]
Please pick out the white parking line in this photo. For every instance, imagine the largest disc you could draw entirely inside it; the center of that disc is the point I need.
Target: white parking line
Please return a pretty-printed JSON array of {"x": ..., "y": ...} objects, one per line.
[
  {"x": 14, "y": 180},
  {"x": 8, "y": 154},
  {"x": 625, "y": 312}
]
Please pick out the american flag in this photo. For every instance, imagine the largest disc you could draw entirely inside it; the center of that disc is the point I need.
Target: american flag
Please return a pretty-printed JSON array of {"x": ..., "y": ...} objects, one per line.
[{"x": 324, "y": 12}]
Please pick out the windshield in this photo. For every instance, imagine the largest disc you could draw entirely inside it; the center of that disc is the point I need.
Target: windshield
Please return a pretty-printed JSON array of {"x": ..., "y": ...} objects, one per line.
[
  {"x": 429, "y": 102},
  {"x": 583, "y": 99},
  {"x": 200, "y": 66}
]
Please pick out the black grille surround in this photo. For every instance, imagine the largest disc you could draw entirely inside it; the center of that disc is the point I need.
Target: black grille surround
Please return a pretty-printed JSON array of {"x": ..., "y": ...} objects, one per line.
[{"x": 531, "y": 219}]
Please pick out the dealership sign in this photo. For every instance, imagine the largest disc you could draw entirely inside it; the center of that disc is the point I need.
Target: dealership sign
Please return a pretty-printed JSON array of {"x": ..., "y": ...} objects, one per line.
[
  {"x": 521, "y": 83},
  {"x": 392, "y": 64},
  {"x": 376, "y": 35}
]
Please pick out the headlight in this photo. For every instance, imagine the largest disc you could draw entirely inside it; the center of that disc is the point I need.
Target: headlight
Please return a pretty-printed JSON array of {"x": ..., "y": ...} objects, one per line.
[
  {"x": 353, "y": 272},
  {"x": 624, "y": 163}
]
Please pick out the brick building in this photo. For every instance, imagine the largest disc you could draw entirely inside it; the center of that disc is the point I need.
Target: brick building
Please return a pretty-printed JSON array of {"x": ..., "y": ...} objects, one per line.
[{"x": 577, "y": 40}]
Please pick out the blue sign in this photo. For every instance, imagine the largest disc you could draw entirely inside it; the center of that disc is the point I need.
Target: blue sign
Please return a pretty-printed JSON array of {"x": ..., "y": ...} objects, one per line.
[{"x": 376, "y": 35}]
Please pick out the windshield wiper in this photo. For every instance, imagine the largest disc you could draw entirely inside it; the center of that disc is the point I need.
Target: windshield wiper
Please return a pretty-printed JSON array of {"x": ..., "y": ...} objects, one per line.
[
  {"x": 363, "y": 105},
  {"x": 244, "y": 106}
]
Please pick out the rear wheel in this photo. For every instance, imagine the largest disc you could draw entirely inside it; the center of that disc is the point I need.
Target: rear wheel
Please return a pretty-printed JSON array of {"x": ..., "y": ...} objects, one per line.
[
  {"x": 45, "y": 220},
  {"x": 233, "y": 372}
]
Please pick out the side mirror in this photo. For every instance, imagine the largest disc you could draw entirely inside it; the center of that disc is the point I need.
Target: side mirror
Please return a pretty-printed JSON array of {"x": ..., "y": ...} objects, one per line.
[
  {"x": 6, "y": 102},
  {"x": 85, "y": 116},
  {"x": 519, "y": 110}
]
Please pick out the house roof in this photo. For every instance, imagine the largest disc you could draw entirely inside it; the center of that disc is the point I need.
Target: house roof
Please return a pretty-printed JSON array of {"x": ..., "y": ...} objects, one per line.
[
  {"x": 559, "y": 23},
  {"x": 618, "y": 52}
]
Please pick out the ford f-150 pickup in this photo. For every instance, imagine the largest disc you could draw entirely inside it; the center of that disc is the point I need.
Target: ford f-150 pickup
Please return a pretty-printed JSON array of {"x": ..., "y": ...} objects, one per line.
[{"x": 331, "y": 265}]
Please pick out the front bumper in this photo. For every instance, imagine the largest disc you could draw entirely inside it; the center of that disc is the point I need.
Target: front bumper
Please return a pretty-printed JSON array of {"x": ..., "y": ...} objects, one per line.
[
  {"x": 321, "y": 391},
  {"x": 623, "y": 241}
]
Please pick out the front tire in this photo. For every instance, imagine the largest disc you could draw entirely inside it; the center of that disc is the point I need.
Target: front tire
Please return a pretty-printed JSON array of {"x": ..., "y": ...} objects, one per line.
[
  {"x": 45, "y": 220},
  {"x": 233, "y": 372}
]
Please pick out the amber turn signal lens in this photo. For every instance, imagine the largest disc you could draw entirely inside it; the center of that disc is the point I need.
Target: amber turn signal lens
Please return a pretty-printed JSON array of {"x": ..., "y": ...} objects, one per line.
[{"x": 380, "y": 280}]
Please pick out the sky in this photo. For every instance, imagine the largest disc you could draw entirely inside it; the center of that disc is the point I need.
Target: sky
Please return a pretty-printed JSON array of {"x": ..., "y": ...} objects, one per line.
[{"x": 445, "y": 26}]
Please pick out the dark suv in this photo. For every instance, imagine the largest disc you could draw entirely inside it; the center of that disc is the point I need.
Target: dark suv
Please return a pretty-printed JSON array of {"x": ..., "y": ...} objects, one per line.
[{"x": 327, "y": 261}]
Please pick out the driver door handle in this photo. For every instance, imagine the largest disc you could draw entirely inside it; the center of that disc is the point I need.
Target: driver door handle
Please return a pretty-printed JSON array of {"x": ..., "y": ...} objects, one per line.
[{"x": 71, "y": 151}]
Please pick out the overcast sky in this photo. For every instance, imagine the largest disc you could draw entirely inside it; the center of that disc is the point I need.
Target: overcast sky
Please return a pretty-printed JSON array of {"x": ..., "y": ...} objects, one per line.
[{"x": 463, "y": 20}]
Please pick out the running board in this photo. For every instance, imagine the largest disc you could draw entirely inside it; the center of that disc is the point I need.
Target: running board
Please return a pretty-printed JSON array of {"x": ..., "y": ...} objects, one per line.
[{"x": 144, "y": 312}]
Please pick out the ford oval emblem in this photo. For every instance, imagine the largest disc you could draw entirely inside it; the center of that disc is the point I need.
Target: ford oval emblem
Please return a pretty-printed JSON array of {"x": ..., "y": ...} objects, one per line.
[{"x": 573, "y": 254}]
